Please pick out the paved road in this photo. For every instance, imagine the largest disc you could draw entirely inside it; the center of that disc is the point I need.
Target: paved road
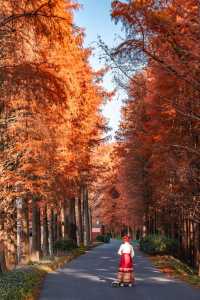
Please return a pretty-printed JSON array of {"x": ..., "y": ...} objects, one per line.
[{"x": 89, "y": 277}]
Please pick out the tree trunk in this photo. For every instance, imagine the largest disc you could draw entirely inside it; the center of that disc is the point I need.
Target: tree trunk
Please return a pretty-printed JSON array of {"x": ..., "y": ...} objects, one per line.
[
  {"x": 63, "y": 220},
  {"x": 34, "y": 227},
  {"x": 25, "y": 242},
  {"x": 155, "y": 221},
  {"x": 198, "y": 249},
  {"x": 72, "y": 221},
  {"x": 10, "y": 236},
  {"x": 66, "y": 219},
  {"x": 45, "y": 246},
  {"x": 172, "y": 226},
  {"x": 188, "y": 239},
  {"x": 19, "y": 229},
  {"x": 79, "y": 221},
  {"x": 50, "y": 231},
  {"x": 192, "y": 244},
  {"x": 3, "y": 267},
  {"x": 36, "y": 232},
  {"x": 59, "y": 227},
  {"x": 86, "y": 217},
  {"x": 54, "y": 226},
  {"x": 90, "y": 223},
  {"x": 184, "y": 238}
]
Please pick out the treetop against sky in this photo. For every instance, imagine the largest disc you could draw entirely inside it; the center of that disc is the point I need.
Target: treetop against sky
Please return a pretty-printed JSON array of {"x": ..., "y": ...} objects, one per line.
[{"x": 95, "y": 18}]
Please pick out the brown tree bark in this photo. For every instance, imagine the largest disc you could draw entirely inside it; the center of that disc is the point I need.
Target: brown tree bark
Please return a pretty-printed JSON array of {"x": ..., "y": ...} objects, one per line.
[
  {"x": 54, "y": 226},
  {"x": 25, "y": 242},
  {"x": 59, "y": 228},
  {"x": 36, "y": 232},
  {"x": 50, "y": 231},
  {"x": 198, "y": 248},
  {"x": 10, "y": 240},
  {"x": 66, "y": 219},
  {"x": 86, "y": 217},
  {"x": 79, "y": 222},
  {"x": 72, "y": 221},
  {"x": 3, "y": 267},
  {"x": 38, "y": 216},
  {"x": 90, "y": 223},
  {"x": 34, "y": 227},
  {"x": 45, "y": 246},
  {"x": 198, "y": 251}
]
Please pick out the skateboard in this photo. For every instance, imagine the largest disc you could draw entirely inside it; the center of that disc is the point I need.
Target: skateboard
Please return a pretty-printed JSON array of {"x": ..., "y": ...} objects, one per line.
[{"x": 121, "y": 284}]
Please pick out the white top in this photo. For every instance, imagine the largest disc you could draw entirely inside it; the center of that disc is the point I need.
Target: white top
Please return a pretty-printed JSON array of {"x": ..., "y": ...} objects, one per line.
[{"x": 126, "y": 248}]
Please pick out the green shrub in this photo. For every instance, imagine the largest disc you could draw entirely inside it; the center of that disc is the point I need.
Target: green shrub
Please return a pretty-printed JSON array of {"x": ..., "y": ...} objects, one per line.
[
  {"x": 106, "y": 239},
  {"x": 25, "y": 283},
  {"x": 158, "y": 244},
  {"x": 19, "y": 284},
  {"x": 64, "y": 245},
  {"x": 100, "y": 238},
  {"x": 103, "y": 238}
]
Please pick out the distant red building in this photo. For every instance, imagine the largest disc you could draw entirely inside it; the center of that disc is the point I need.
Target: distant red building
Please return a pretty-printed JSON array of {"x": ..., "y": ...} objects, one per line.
[{"x": 97, "y": 230}]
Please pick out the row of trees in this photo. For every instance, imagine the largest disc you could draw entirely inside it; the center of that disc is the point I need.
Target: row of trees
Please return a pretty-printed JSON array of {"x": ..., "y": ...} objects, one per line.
[
  {"x": 50, "y": 123},
  {"x": 157, "y": 151}
]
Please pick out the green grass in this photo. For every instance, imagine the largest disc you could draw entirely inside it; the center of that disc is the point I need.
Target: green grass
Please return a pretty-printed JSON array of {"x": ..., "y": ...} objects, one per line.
[{"x": 25, "y": 283}]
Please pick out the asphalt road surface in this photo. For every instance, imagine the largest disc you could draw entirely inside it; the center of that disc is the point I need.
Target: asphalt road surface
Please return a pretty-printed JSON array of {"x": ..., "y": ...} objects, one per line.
[{"x": 89, "y": 277}]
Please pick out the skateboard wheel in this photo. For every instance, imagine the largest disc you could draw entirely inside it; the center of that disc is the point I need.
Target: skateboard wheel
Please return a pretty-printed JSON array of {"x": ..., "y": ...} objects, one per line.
[{"x": 115, "y": 284}]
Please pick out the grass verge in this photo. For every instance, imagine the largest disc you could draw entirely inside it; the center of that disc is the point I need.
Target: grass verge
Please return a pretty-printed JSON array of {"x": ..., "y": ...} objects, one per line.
[
  {"x": 25, "y": 283},
  {"x": 175, "y": 268}
]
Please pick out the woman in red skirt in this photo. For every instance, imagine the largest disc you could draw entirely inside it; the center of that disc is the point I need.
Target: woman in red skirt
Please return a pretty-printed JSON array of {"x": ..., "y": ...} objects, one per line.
[{"x": 125, "y": 274}]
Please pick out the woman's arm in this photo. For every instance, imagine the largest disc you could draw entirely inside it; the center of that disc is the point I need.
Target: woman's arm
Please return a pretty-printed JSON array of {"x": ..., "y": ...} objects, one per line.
[
  {"x": 132, "y": 252},
  {"x": 120, "y": 250}
]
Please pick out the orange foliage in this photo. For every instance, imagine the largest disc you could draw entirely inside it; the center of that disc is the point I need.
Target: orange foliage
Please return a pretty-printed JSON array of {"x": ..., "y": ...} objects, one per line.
[
  {"x": 158, "y": 138},
  {"x": 50, "y": 104}
]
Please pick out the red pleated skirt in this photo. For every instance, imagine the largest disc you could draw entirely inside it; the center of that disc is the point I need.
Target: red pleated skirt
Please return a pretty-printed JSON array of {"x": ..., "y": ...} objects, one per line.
[
  {"x": 125, "y": 273},
  {"x": 126, "y": 263}
]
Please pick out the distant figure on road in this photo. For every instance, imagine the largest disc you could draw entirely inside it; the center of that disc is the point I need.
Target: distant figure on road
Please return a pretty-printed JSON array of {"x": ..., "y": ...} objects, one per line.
[{"x": 125, "y": 274}]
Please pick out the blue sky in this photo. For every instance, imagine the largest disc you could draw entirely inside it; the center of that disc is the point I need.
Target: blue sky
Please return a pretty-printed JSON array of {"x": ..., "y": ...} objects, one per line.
[{"x": 95, "y": 18}]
